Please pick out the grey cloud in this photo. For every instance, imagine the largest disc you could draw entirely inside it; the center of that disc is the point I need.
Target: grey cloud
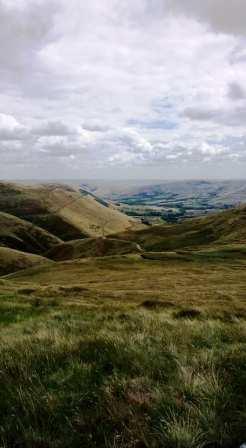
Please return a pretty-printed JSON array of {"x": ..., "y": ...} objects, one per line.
[
  {"x": 11, "y": 129},
  {"x": 236, "y": 91},
  {"x": 56, "y": 146},
  {"x": 24, "y": 28},
  {"x": 57, "y": 153},
  {"x": 238, "y": 54},
  {"x": 15, "y": 134},
  {"x": 95, "y": 127},
  {"x": 8, "y": 147},
  {"x": 201, "y": 114},
  {"x": 53, "y": 128},
  {"x": 234, "y": 117},
  {"x": 227, "y": 16}
]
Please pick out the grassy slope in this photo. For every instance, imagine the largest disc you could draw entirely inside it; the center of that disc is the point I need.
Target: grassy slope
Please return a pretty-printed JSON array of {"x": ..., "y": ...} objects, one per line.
[
  {"x": 134, "y": 279},
  {"x": 61, "y": 210},
  {"x": 124, "y": 352},
  {"x": 22, "y": 235},
  {"x": 224, "y": 228},
  {"x": 13, "y": 260},
  {"x": 92, "y": 247}
]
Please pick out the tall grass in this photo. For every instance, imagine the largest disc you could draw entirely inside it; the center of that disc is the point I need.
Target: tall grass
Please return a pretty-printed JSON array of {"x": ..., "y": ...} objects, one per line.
[{"x": 77, "y": 377}]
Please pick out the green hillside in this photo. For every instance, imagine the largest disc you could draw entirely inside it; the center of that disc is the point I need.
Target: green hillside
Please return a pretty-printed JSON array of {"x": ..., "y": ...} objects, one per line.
[{"x": 223, "y": 228}]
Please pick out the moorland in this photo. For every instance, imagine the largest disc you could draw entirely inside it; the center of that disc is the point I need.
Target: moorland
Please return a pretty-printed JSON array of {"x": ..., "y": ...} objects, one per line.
[{"x": 118, "y": 334}]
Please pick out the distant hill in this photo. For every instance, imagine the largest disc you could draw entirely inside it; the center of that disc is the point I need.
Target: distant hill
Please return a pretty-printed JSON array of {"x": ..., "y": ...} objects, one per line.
[
  {"x": 62, "y": 211},
  {"x": 22, "y": 235},
  {"x": 230, "y": 192},
  {"x": 170, "y": 201},
  {"x": 222, "y": 228},
  {"x": 92, "y": 247},
  {"x": 13, "y": 260}
]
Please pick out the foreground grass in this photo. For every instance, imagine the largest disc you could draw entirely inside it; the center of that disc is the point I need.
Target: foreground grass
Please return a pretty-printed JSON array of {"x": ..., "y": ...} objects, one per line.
[{"x": 117, "y": 375}]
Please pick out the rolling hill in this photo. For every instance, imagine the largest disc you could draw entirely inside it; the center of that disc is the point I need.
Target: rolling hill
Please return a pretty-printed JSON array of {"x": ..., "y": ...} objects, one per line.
[
  {"x": 22, "y": 235},
  {"x": 230, "y": 192},
  {"x": 13, "y": 260},
  {"x": 62, "y": 211},
  {"x": 125, "y": 348},
  {"x": 92, "y": 247},
  {"x": 170, "y": 201},
  {"x": 227, "y": 227}
]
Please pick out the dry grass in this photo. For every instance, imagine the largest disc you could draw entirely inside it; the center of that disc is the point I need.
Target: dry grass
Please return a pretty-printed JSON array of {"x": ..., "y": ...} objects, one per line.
[
  {"x": 214, "y": 287},
  {"x": 92, "y": 247},
  {"x": 62, "y": 210}
]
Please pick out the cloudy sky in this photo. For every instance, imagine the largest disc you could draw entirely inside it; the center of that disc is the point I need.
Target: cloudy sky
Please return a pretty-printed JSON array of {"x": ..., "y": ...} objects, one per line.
[{"x": 123, "y": 89}]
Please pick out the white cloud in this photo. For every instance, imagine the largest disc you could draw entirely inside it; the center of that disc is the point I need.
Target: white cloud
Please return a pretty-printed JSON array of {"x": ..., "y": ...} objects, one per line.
[
  {"x": 11, "y": 129},
  {"x": 212, "y": 150},
  {"x": 127, "y": 83}
]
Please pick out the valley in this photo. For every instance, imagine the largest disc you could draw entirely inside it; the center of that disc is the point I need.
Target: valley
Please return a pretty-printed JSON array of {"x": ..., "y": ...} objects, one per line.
[
  {"x": 118, "y": 334},
  {"x": 173, "y": 201},
  {"x": 122, "y": 224}
]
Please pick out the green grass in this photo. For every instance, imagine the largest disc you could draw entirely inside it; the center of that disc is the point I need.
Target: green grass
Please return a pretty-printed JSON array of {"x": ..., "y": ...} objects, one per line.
[{"x": 112, "y": 374}]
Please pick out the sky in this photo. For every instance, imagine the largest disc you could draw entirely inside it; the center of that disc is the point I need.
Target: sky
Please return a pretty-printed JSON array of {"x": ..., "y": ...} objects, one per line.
[{"x": 119, "y": 89}]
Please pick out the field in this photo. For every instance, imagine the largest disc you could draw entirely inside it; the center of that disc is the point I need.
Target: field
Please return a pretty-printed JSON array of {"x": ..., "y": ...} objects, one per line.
[
  {"x": 124, "y": 352},
  {"x": 156, "y": 202}
]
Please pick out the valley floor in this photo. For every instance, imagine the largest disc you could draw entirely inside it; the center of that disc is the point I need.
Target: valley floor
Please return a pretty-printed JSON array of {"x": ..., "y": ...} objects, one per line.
[{"x": 124, "y": 352}]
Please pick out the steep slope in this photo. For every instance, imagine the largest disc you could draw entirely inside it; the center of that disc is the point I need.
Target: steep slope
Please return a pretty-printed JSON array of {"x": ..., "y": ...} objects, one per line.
[
  {"x": 19, "y": 234},
  {"x": 227, "y": 227},
  {"x": 61, "y": 210},
  {"x": 92, "y": 247},
  {"x": 13, "y": 260}
]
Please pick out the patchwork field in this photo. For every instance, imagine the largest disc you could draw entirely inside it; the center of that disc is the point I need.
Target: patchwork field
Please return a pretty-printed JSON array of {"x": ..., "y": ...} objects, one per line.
[{"x": 171, "y": 201}]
